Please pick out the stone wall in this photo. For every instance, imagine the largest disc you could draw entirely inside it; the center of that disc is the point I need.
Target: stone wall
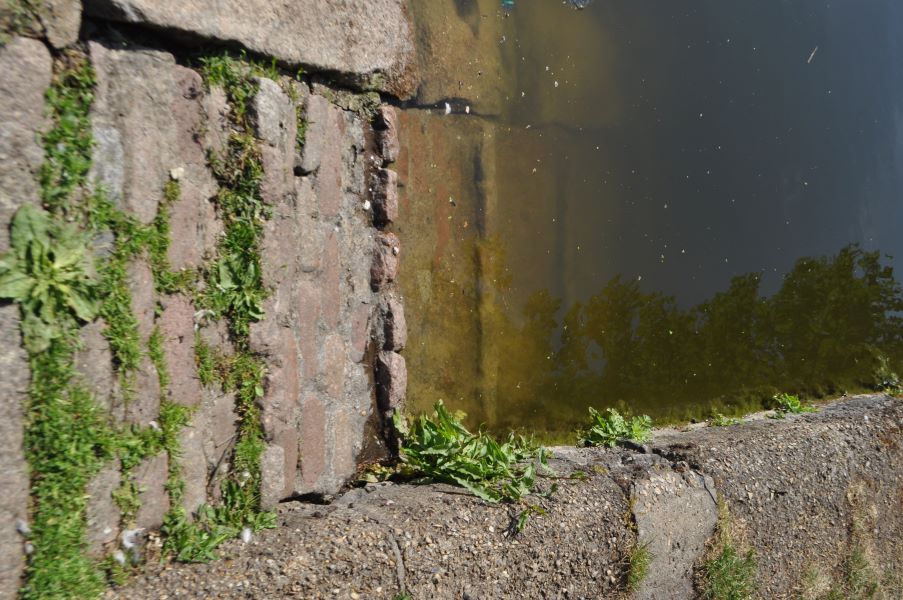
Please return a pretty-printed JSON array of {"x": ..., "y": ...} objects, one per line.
[{"x": 333, "y": 323}]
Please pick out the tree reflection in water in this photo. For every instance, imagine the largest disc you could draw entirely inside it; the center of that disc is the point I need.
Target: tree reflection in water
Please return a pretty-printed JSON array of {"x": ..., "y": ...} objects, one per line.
[{"x": 834, "y": 325}]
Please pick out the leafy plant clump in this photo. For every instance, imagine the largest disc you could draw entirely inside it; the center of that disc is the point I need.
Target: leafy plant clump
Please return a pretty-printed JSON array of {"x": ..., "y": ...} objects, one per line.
[
  {"x": 720, "y": 420},
  {"x": 46, "y": 273},
  {"x": 785, "y": 404},
  {"x": 609, "y": 428},
  {"x": 440, "y": 448}
]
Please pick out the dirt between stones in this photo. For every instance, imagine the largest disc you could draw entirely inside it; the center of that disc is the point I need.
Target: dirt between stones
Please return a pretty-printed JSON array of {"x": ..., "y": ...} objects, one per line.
[{"x": 801, "y": 491}]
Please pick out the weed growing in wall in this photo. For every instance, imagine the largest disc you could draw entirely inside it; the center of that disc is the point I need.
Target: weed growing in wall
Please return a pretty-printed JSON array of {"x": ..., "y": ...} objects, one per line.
[
  {"x": 67, "y": 145},
  {"x": 48, "y": 273},
  {"x": 51, "y": 274},
  {"x": 67, "y": 442},
  {"x": 235, "y": 293}
]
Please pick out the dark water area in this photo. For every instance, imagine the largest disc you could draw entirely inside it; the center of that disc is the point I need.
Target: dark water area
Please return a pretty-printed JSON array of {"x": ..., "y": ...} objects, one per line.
[{"x": 682, "y": 208}]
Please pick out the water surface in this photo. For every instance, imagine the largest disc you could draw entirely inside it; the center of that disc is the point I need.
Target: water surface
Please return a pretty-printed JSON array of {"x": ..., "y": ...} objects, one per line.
[{"x": 673, "y": 207}]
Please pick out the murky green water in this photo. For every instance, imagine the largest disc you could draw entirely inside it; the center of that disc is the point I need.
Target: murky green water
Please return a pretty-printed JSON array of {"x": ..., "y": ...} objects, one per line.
[{"x": 674, "y": 207}]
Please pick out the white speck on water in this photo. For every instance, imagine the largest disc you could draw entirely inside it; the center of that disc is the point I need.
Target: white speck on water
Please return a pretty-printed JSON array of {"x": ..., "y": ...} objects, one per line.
[{"x": 447, "y": 108}]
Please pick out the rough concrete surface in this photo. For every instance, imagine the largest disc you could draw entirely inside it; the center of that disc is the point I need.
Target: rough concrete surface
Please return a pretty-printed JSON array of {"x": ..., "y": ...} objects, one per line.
[
  {"x": 438, "y": 542},
  {"x": 26, "y": 67},
  {"x": 799, "y": 489},
  {"x": 368, "y": 42}
]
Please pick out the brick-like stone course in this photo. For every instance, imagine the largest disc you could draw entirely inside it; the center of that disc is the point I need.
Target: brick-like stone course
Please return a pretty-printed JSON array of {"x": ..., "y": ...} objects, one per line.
[
  {"x": 384, "y": 268},
  {"x": 317, "y": 257},
  {"x": 386, "y": 124},
  {"x": 151, "y": 119},
  {"x": 385, "y": 197}
]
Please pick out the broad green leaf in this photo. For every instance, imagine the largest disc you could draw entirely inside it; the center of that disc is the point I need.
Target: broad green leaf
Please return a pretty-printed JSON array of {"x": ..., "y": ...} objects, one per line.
[
  {"x": 30, "y": 224},
  {"x": 225, "y": 277},
  {"x": 85, "y": 308},
  {"x": 15, "y": 285},
  {"x": 65, "y": 258},
  {"x": 37, "y": 333}
]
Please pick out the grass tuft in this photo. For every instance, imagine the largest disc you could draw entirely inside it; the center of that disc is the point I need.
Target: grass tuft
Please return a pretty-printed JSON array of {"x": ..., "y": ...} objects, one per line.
[
  {"x": 67, "y": 442},
  {"x": 729, "y": 572},
  {"x": 639, "y": 562}
]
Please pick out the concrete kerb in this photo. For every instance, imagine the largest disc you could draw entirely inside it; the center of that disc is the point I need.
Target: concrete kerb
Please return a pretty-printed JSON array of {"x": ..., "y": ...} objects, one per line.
[{"x": 437, "y": 541}]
